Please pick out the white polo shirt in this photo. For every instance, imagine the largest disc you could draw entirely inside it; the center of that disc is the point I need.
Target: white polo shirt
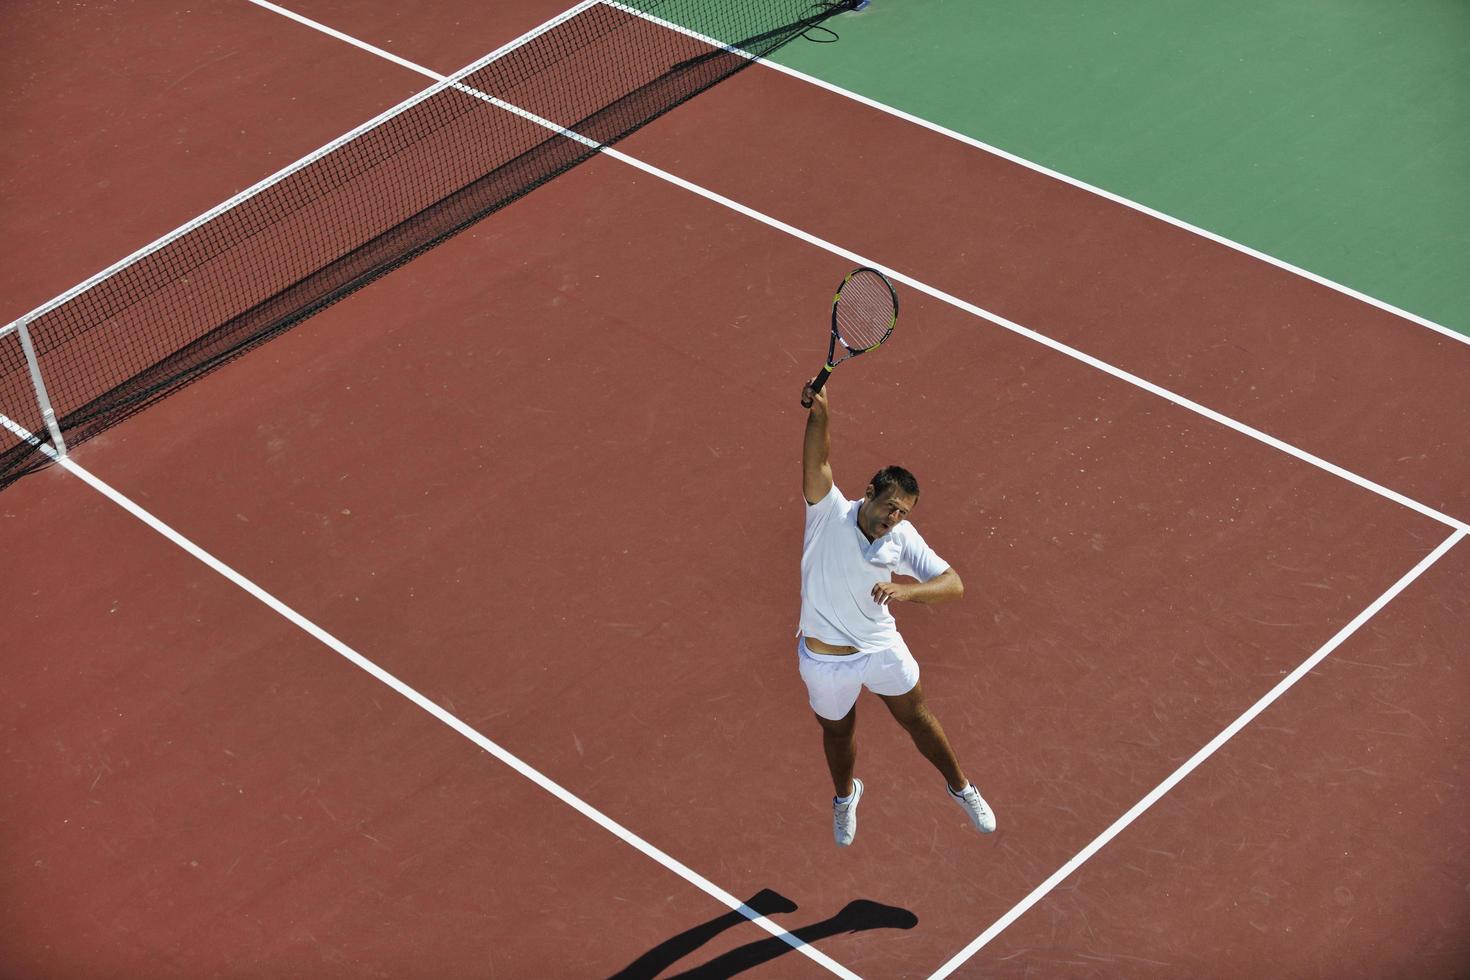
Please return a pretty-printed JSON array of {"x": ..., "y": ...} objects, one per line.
[{"x": 839, "y": 568}]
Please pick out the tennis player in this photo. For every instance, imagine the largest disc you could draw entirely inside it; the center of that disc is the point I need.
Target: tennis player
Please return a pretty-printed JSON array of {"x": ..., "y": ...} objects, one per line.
[{"x": 848, "y": 638}]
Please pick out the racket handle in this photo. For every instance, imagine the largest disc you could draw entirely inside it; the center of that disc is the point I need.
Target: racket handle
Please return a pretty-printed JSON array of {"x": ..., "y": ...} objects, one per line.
[{"x": 817, "y": 383}]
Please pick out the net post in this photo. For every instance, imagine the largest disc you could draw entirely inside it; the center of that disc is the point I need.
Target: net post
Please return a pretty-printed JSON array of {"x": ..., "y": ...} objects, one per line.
[{"x": 39, "y": 384}]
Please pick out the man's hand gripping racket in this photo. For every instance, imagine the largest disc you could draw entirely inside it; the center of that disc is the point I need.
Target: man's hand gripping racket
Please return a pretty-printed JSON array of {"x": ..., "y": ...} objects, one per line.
[{"x": 864, "y": 313}]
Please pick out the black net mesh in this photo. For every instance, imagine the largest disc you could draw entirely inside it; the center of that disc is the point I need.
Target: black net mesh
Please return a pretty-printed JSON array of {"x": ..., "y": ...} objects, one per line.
[{"x": 342, "y": 218}]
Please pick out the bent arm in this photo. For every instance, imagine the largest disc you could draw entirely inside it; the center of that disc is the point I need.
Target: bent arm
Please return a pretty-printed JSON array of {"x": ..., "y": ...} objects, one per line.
[
  {"x": 816, "y": 448},
  {"x": 941, "y": 588}
]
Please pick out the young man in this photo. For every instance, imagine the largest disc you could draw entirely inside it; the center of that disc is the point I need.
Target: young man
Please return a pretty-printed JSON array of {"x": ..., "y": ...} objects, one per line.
[{"x": 849, "y": 639}]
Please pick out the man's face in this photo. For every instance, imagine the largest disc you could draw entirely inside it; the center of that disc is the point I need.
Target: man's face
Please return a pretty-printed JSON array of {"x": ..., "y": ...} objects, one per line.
[{"x": 881, "y": 514}]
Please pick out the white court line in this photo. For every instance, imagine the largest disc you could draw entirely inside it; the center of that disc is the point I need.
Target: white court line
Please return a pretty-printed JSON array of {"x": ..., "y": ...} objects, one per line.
[
  {"x": 443, "y": 81},
  {"x": 1126, "y": 202},
  {"x": 1048, "y": 172},
  {"x": 1194, "y": 761},
  {"x": 1056, "y": 345},
  {"x": 428, "y": 705},
  {"x": 550, "y": 786},
  {"x": 1461, "y": 529},
  {"x": 532, "y": 774}
]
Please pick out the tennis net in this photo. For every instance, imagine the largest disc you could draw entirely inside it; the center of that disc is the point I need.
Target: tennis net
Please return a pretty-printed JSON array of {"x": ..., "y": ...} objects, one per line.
[{"x": 363, "y": 205}]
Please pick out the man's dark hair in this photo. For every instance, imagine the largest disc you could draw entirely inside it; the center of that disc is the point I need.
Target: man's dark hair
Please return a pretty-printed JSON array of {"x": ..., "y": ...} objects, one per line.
[{"x": 894, "y": 476}]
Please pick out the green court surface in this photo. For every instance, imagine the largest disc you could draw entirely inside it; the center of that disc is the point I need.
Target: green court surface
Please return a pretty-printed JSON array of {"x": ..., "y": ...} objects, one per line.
[{"x": 1331, "y": 134}]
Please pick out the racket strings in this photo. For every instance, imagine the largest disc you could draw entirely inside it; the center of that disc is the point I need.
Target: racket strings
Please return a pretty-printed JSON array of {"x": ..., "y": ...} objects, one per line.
[{"x": 864, "y": 311}]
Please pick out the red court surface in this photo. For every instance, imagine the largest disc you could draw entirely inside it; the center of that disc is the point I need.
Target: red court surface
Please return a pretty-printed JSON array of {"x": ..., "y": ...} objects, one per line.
[
  {"x": 213, "y": 796},
  {"x": 1369, "y": 391},
  {"x": 548, "y": 476},
  {"x": 1327, "y": 839},
  {"x": 175, "y": 111}
]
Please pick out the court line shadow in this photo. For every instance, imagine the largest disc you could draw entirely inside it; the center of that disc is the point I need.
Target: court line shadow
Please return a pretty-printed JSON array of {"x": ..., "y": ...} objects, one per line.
[{"x": 858, "y": 915}]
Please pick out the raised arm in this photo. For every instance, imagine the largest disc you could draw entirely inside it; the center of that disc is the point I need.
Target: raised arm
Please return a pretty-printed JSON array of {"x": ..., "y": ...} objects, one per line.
[{"x": 816, "y": 447}]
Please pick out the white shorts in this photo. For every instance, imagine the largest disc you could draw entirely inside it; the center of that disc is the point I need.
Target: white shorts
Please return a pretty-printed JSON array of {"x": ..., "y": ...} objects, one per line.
[{"x": 833, "y": 681}]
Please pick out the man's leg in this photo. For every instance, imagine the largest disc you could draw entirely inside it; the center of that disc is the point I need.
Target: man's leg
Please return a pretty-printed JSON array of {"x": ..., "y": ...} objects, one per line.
[
  {"x": 916, "y": 718},
  {"x": 839, "y": 743},
  {"x": 910, "y": 711},
  {"x": 833, "y": 684}
]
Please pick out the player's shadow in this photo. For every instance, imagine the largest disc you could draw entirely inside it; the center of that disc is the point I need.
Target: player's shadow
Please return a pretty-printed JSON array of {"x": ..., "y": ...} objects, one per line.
[{"x": 856, "y": 916}]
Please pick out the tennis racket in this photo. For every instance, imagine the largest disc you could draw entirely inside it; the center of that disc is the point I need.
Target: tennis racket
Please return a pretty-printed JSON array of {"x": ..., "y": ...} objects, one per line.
[{"x": 864, "y": 313}]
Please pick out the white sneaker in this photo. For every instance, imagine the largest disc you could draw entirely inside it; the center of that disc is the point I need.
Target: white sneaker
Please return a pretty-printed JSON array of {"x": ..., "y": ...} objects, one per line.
[
  {"x": 844, "y": 816},
  {"x": 974, "y": 806}
]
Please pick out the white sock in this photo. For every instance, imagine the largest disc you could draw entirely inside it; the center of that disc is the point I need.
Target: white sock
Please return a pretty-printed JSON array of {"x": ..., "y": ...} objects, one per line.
[{"x": 844, "y": 800}]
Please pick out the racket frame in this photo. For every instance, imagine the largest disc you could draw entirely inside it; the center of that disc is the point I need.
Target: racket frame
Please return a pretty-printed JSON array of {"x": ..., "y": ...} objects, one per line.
[{"x": 836, "y": 338}]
